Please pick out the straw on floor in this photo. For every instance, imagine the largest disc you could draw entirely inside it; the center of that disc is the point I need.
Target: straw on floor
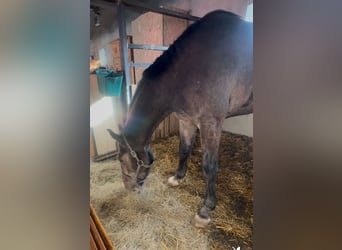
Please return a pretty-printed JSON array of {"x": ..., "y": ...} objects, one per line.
[{"x": 159, "y": 217}]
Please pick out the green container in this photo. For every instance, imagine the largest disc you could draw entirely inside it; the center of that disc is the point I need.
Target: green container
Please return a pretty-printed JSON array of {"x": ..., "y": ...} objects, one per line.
[{"x": 109, "y": 82}]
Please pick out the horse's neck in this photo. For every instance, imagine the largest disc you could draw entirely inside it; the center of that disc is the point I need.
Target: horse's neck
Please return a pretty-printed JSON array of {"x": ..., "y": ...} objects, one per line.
[{"x": 146, "y": 112}]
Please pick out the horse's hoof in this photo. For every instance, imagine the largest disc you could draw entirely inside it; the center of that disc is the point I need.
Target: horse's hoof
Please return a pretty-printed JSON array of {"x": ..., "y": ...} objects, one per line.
[
  {"x": 172, "y": 181},
  {"x": 199, "y": 222}
]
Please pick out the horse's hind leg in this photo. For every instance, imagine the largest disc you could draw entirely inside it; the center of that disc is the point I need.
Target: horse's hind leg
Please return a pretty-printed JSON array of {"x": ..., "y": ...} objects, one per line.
[
  {"x": 210, "y": 130},
  {"x": 187, "y": 135}
]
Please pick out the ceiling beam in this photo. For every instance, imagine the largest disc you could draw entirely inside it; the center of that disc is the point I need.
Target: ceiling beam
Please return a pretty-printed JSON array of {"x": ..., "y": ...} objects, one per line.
[{"x": 144, "y": 6}]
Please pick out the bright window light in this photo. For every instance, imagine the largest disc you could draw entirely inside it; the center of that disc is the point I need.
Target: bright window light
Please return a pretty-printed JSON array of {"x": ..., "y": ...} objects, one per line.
[
  {"x": 101, "y": 110},
  {"x": 249, "y": 13}
]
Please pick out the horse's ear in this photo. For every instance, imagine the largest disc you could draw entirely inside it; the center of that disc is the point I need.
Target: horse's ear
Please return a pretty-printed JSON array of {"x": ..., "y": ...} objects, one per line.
[{"x": 115, "y": 136}]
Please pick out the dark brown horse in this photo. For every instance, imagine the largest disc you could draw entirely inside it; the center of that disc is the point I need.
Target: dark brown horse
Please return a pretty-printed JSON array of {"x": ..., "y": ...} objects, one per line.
[{"x": 204, "y": 77}]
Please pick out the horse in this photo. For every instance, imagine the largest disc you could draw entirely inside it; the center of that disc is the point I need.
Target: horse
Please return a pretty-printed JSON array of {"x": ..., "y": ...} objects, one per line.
[{"x": 204, "y": 77}]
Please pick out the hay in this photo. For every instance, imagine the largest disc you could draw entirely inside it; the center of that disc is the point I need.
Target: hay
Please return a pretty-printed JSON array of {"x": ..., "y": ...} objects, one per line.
[{"x": 159, "y": 217}]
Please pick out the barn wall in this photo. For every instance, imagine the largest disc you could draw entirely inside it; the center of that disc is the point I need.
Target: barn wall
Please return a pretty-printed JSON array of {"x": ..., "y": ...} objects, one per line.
[
  {"x": 108, "y": 31},
  {"x": 147, "y": 29},
  {"x": 102, "y": 42},
  {"x": 242, "y": 125},
  {"x": 103, "y": 142}
]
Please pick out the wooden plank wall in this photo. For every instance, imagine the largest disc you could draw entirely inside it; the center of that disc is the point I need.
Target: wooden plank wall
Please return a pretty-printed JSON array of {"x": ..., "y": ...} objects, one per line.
[
  {"x": 99, "y": 239},
  {"x": 147, "y": 29},
  {"x": 156, "y": 29},
  {"x": 116, "y": 57}
]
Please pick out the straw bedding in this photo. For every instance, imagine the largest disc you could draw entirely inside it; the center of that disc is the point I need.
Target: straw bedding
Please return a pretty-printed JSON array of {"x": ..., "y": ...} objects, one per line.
[{"x": 159, "y": 216}]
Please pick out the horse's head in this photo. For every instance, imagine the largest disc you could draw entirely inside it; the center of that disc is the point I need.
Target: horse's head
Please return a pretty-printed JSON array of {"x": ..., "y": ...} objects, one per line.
[{"x": 136, "y": 162}]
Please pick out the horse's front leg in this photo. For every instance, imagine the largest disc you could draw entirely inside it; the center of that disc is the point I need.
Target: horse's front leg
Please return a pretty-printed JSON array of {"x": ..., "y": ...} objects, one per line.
[
  {"x": 187, "y": 135},
  {"x": 210, "y": 140}
]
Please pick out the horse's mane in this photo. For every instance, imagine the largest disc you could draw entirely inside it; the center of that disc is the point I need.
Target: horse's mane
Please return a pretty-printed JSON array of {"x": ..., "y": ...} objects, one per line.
[
  {"x": 168, "y": 58},
  {"x": 165, "y": 60},
  {"x": 162, "y": 63}
]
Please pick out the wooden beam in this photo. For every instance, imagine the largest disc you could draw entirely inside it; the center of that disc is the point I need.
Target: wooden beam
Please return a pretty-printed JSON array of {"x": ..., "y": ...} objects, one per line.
[
  {"x": 98, "y": 233},
  {"x": 146, "y": 7}
]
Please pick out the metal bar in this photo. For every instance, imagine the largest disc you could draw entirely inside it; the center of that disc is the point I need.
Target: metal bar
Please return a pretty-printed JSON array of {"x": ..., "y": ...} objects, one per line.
[
  {"x": 147, "y": 7},
  {"x": 124, "y": 52},
  {"x": 147, "y": 46},
  {"x": 140, "y": 64},
  {"x": 103, "y": 3}
]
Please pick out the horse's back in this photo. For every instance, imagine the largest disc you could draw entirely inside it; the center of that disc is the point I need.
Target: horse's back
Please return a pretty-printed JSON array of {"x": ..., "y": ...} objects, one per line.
[
  {"x": 209, "y": 62},
  {"x": 214, "y": 62},
  {"x": 218, "y": 45},
  {"x": 216, "y": 40},
  {"x": 224, "y": 41}
]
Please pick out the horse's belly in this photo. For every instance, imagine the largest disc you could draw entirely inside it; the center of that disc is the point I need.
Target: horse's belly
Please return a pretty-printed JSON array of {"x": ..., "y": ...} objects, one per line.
[{"x": 240, "y": 101}]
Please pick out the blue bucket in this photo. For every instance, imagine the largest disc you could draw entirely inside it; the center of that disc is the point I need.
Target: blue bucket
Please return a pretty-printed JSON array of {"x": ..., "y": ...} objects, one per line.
[{"x": 109, "y": 82}]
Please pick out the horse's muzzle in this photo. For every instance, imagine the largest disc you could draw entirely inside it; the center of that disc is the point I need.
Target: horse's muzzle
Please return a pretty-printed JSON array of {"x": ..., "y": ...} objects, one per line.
[{"x": 132, "y": 184}]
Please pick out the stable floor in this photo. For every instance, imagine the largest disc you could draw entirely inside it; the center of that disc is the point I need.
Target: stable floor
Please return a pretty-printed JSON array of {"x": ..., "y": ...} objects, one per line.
[{"x": 159, "y": 217}]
